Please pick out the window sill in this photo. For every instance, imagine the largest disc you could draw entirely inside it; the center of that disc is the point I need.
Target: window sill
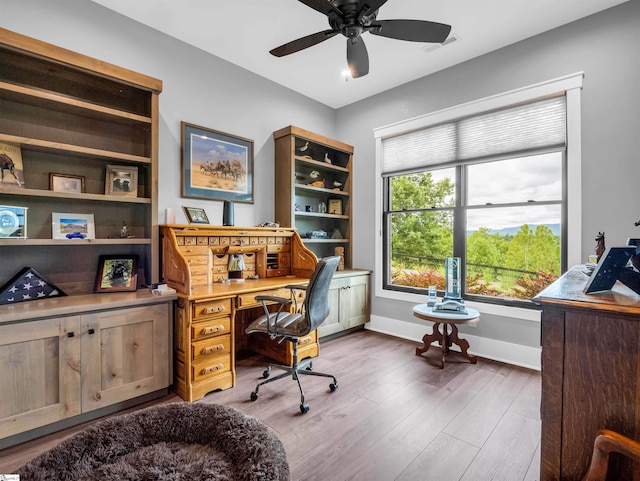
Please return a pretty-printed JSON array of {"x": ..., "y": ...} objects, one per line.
[{"x": 532, "y": 315}]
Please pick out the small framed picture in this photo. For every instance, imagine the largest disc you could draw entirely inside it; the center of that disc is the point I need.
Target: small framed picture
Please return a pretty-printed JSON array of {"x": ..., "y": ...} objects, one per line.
[
  {"x": 72, "y": 226},
  {"x": 196, "y": 215},
  {"x": 335, "y": 206},
  {"x": 121, "y": 180},
  {"x": 66, "y": 183},
  {"x": 117, "y": 273}
]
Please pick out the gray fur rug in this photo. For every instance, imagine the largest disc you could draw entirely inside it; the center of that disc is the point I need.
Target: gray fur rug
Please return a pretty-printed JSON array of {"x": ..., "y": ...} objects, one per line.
[{"x": 172, "y": 442}]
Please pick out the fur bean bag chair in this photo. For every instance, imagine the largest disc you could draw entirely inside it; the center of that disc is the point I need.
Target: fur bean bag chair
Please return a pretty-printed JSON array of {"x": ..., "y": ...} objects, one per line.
[{"x": 181, "y": 441}]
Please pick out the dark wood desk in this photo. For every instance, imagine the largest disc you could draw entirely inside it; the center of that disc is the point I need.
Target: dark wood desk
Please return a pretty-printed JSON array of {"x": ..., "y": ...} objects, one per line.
[
  {"x": 590, "y": 375},
  {"x": 211, "y": 315}
]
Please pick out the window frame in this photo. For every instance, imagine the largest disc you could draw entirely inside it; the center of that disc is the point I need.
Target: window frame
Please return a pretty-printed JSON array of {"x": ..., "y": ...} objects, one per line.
[
  {"x": 571, "y": 86},
  {"x": 460, "y": 211}
]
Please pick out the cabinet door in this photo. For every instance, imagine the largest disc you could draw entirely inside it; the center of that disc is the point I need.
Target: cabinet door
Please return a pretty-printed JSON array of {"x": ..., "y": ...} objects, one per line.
[
  {"x": 39, "y": 373},
  {"x": 125, "y": 354},
  {"x": 354, "y": 302}
]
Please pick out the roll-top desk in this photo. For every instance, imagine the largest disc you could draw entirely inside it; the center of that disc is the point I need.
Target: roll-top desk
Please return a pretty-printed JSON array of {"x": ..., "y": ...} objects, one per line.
[{"x": 195, "y": 262}]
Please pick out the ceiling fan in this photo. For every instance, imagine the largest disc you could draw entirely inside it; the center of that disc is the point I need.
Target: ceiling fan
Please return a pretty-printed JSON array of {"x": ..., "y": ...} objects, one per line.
[{"x": 352, "y": 18}]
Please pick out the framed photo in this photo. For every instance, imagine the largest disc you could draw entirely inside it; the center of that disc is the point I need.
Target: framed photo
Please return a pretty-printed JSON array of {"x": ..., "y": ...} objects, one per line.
[
  {"x": 11, "y": 166},
  {"x": 117, "y": 273},
  {"x": 196, "y": 215},
  {"x": 335, "y": 206},
  {"x": 13, "y": 221},
  {"x": 66, "y": 183},
  {"x": 72, "y": 226},
  {"x": 121, "y": 180},
  {"x": 215, "y": 165}
]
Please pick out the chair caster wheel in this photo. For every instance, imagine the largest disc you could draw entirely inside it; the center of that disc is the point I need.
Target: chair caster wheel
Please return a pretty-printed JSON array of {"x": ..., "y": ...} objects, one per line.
[
  {"x": 333, "y": 386},
  {"x": 309, "y": 367},
  {"x": 254, "y": 396},
  {"x": 266, "y": 373},
  {"x": 304, "y": 408}
]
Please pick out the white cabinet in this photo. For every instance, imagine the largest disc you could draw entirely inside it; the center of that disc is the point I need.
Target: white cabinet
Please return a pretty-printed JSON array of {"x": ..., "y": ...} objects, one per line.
[{"x": 349, "y": 301}]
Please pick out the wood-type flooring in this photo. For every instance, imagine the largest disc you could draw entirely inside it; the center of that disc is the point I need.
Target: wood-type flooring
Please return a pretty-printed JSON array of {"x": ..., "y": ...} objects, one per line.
[{"x": 394, "y": 417}]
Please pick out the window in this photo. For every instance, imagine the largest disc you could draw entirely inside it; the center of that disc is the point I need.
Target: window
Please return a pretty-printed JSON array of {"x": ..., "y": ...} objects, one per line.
[{"x": 490, "y": 187}]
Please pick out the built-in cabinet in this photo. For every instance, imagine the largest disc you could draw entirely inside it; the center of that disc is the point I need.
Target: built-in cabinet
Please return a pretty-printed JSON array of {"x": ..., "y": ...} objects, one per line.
[
  {"x": 72, "y": 115},
  {"x": 59, "y": 366},
  {"x": 313, "y": 189},
  {"x": 95, "y": 126},
  {"x": 349, "y": 301}
]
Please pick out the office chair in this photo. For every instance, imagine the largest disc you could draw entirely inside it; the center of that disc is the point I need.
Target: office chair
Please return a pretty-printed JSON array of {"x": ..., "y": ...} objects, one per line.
[
  {"x": 610, "y": 442},
  {"x": 290, "y": 326}
]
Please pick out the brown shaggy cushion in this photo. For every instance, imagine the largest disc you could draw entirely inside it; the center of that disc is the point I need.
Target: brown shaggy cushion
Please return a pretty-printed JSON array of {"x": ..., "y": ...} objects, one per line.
[{"x": 179, "y": 441}]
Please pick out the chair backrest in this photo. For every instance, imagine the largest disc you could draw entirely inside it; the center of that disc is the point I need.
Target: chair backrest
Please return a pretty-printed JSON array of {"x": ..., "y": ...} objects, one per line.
[{"x": 316, "y": 302}]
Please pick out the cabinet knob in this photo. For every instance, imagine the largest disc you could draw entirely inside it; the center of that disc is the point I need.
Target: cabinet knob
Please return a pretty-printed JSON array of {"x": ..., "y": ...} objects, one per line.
[
  {"x": 70, "y": 334},
  {"x": 91, "y": 331}
]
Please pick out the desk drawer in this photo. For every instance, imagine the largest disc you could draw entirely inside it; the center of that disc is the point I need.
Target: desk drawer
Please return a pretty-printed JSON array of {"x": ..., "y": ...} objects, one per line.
[
  {"x": 210, "y": 348},
  {"x": 210, "y": 368},
  {"x": 194, "y": 250},
  {"x": 278, "y": 272},
  {"x": 272, "y": 249},
  {"x": 248, "y": 300},
  {"x": 213, "y": 327},
  {"x": 220, "y": 307}
]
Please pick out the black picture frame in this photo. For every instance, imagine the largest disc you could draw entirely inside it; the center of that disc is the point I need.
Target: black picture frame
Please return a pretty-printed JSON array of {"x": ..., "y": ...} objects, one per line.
[
  {"x": 117, "y": 273},
  {"x": 215, "y": 165}
]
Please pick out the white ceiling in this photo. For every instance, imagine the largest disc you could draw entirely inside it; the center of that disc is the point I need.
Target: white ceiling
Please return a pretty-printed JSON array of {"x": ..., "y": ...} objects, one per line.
[{"x": 243, "y": 31}]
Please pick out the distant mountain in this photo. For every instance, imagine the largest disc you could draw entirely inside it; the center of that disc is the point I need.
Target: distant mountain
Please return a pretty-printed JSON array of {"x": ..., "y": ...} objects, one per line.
[{"x": 555, "y": 228}]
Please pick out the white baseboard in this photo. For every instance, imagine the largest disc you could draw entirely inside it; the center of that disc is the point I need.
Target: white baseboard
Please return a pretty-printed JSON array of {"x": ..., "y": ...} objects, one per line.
[{"x": 516, "y": 354}]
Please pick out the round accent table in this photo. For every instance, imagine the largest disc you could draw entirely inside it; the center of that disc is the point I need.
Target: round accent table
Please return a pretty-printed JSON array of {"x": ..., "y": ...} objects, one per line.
[{"x": 446, "y": 339}]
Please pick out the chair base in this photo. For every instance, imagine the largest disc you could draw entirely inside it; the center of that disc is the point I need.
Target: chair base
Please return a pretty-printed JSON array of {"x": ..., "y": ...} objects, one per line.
[{"x": 303, "y": 368}]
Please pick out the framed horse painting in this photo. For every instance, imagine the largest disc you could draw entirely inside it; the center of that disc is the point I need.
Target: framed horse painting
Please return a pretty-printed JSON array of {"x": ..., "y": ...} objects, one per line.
[{"x": 11, "y": 170}]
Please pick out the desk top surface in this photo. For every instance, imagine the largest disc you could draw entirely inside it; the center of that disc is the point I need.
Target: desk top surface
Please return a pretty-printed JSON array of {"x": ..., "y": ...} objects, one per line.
[{"x": 426, "y": 312}]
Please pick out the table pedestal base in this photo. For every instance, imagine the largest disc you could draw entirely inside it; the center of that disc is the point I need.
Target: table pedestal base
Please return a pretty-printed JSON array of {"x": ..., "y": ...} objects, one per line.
[{"x": 446, "y": 340}]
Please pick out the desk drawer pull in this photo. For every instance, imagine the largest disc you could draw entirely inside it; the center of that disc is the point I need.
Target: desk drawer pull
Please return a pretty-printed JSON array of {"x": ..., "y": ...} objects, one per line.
[
  {"x": 213, "y": 309},
  {"x": 212, "y": 330},
  {"x": 305, "y": 340},
  {"x": 212, "y": 349},
  {"x": 209, "y": 370}
]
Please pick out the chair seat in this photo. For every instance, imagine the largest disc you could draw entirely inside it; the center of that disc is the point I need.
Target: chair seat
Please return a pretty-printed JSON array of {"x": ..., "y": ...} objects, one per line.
[{"x": 288, "y": 325}]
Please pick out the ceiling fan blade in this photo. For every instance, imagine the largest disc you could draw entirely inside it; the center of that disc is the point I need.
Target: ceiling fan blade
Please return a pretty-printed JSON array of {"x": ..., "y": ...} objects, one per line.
[
  {"x": 367, "y": 7},
  {"x": 302, "y": 43},
  {"x": 411, "y": 30},
  {"x": 322, "y": 6},
  {"x": 357, "y": 57}
]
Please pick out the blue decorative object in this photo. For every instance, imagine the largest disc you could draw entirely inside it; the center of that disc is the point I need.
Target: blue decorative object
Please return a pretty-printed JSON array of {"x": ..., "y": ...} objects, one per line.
[{"x": 452, "y": 279}]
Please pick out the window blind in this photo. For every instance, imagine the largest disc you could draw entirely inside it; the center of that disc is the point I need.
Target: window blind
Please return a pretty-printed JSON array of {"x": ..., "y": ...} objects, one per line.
[{"x": 536, "y": 125}]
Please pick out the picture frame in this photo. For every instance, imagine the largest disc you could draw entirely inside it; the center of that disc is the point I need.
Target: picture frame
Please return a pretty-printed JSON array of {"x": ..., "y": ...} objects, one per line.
[
  {"x": 117, "y": 273},
  {"x": 334, "y": 206},
  {"x": 66, "y": 183},
  {"x": 195, "y": 215},
  {"x": 215, "y": 165},
  {"x": 72, "y": 226},
  {"x": 121, "y": 180}
]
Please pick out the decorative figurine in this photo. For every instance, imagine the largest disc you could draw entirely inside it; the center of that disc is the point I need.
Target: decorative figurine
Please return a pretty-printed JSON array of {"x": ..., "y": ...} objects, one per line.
[
  {"x": 327, "y": 159},
  {"x": 600, "y": 247},
  {"x": 124, "y": 231},
  {"x": 339, "y": 251}
]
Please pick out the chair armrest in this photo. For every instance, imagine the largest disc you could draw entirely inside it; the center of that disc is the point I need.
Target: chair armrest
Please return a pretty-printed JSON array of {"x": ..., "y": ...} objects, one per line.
[
  {"x": 607, "y": 442},
  {"x": 280, "y": 300},
  {"x": 299, "y": 287}
]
